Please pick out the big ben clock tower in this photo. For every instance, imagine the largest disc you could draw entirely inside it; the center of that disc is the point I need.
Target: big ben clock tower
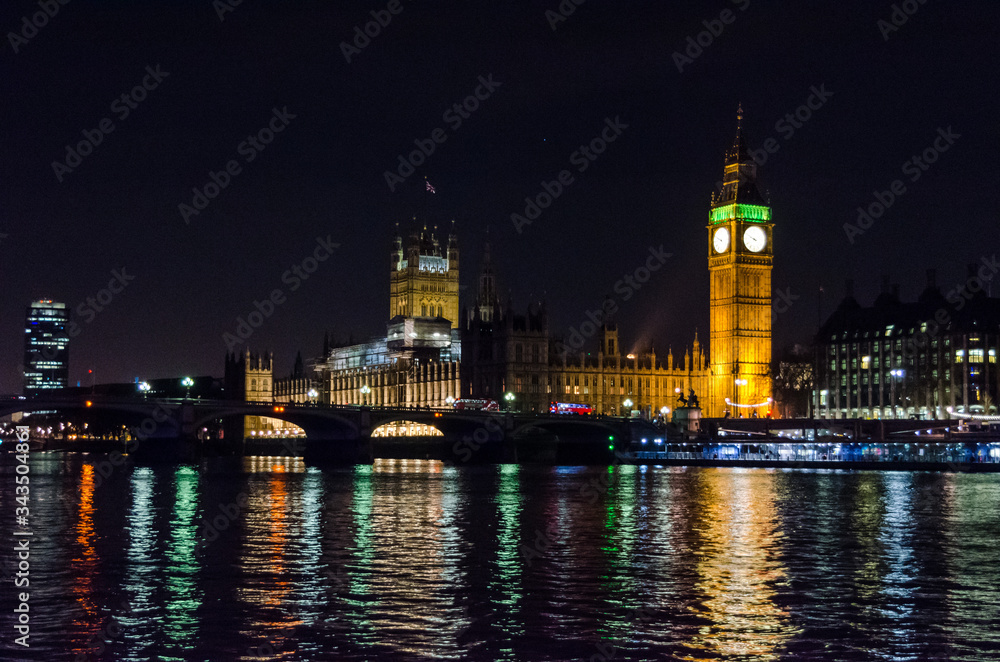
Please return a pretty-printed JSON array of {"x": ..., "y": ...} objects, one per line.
[{"x": 740, "y": 257}]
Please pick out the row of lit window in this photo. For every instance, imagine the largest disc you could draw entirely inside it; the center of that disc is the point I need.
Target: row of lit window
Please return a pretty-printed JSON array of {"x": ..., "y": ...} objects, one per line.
[
  {"x": 974, "y": 373},
  {"x": 624, "y": 385},
  {"x": 897, "y": 344},
  {"x": 867, "y": 362},
  {"x": 889, "y": 331}
]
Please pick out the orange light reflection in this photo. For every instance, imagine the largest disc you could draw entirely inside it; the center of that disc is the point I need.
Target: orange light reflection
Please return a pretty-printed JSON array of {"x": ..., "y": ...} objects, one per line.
[
  {"x": 739, "y": 565},
  {"x": 85, "y": 566}
]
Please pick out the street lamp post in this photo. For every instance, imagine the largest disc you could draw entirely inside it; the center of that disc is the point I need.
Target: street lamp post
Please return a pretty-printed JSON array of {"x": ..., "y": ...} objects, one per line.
[
  {"x": 739, "y": 383},
  {"x": 509, "y": 397},
  {"x": 187, "y": 383},
  {"x": 313, "y": 394},
  {"x": 365, "y": 390},
  {"x": 628, "y": 406}
]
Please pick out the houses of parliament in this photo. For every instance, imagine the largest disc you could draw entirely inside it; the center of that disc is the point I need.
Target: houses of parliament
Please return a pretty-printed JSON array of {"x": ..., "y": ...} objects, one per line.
[{"x": 436, "y": 351}]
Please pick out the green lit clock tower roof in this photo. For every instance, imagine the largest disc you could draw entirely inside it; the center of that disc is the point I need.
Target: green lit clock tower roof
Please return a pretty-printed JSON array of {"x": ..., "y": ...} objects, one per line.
[{"x": 740, "y": 197}]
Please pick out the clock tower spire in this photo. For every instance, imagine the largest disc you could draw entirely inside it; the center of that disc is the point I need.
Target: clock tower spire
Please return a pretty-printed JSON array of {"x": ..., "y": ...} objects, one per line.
[{"x": 740, "y": 258}]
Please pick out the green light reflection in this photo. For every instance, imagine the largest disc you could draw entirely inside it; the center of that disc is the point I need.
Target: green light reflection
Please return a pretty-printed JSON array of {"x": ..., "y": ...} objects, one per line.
[
  {"x": 359, "y": 573},
  {"x": 619, "y": 537},
  {"x": 183, "y": 595},
  {"x": 510, "y": 565}
]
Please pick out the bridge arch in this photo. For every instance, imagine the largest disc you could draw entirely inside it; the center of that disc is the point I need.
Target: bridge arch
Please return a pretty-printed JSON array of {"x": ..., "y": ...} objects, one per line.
[
  {"x": 316, "y": 423},
  {"x": 406, "y": 428}
]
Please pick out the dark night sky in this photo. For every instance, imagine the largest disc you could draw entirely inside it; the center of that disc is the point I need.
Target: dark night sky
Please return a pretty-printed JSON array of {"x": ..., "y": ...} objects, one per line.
[{"x": 323, "y": 175}]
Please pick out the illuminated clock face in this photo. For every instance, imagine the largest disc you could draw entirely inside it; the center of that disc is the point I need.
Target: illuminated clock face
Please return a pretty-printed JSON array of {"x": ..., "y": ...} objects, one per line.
[
  {"x": 755, "y": 239},
  {"x": 720, "y": 240}
]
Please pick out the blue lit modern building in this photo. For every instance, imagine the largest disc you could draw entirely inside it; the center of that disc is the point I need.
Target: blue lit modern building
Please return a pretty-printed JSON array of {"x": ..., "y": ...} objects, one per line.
[{"x": 46, "y": 346}]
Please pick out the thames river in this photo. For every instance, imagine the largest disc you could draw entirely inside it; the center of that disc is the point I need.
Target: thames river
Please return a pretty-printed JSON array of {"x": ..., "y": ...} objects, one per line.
[{"x": 269, "y": 558}]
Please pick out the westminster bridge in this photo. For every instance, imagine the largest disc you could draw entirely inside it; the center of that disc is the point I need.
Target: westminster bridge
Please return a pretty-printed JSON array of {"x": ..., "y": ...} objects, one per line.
[
  {"x": 169, "y": 428},
  {"x": 344, "y": 432}
]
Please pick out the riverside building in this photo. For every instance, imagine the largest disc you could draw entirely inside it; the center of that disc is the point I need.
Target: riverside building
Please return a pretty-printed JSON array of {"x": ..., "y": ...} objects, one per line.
[{"x": 933, "y": 358}]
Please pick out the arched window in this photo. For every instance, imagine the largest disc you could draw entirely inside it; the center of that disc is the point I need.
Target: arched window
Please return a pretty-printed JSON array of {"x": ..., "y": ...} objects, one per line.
[
  {"x": 423, "y": 310},
  {"x": 440, "y": 311},
  {"x": 253, "y": 384}
]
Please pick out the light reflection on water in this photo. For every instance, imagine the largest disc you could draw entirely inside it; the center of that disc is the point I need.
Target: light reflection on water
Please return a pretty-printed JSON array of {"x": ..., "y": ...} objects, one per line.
[
  {"x": 268, "y": 558},
  {"x": 739, "y": 566},
  {"x": 84, "y": 564},
  {"x": 183, "y": 593}
]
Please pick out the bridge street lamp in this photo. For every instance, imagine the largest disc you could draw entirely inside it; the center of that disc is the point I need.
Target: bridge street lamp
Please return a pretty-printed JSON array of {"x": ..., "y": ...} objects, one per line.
[
  {"x": 313, "y": 394},
  {"x": 187, "y": 383},
  {"x": 509, "y": 397},
  {"x": 365, "y": 390},
  {"x": 628, "y": 406}
]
